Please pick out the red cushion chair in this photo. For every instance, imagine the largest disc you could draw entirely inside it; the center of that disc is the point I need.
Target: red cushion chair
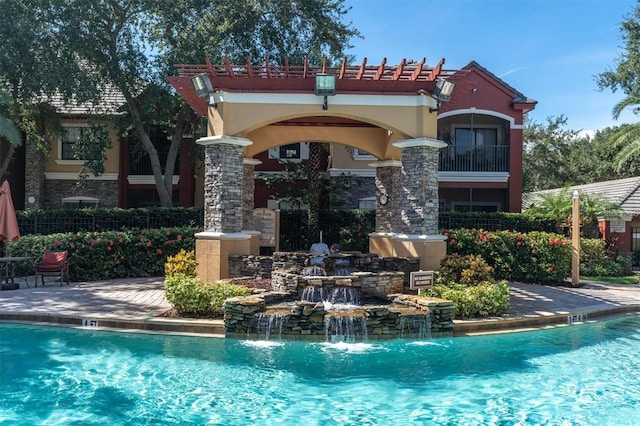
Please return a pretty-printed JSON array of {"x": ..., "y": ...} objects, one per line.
[{"x": 54, "y": 263}]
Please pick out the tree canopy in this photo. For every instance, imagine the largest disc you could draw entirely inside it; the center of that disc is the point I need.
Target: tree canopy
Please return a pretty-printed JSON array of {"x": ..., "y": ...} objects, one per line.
[
  {"x": 625, "y": 76},
  {"x": 555, "y": 157},
  {"x": 81, "y": 47}
]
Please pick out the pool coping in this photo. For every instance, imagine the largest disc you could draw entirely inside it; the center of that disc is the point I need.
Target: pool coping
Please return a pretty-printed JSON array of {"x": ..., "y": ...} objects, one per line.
[
  {"x": 215, "y": 327},
  {"x": 540, "y": 321}
]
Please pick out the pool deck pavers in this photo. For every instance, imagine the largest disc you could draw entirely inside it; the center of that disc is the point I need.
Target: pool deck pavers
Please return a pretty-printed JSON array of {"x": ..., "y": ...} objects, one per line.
[{"x": 137, "y": 304}]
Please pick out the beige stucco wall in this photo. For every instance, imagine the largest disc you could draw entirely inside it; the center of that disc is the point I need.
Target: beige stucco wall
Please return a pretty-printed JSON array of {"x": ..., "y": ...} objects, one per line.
[
  {"x": 52, "y": 163},
  {"x": 252, "y": 116}
]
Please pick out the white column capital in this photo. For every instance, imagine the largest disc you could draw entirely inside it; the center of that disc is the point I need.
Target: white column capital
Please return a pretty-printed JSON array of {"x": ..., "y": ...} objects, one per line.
[
  {"x": 423, "y": 141},
  {"x": 387, "y": 163},
  {"x": 220, "y": 139}
]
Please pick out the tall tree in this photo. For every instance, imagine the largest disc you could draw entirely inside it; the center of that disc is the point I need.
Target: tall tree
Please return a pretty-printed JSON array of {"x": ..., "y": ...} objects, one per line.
[
  {"x": 33, "y": 66},
  {"x": 626, "y": 78},
  {"x": 546, "y": 151},
  {"x": 8, "y": 131},
  {"x": 133, "y": 44}
]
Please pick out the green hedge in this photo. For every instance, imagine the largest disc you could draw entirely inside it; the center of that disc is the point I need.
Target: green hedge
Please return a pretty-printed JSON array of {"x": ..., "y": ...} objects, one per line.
[
  {"x": 539, "y": 257},
  {"x": 473, "y": 301},
  {"x": 191, "y": 297},
  {"x": 110, "y": 254}
]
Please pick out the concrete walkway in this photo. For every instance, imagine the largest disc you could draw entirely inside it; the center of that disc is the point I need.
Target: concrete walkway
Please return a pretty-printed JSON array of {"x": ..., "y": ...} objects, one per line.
[{"x": 138, "y": 304}]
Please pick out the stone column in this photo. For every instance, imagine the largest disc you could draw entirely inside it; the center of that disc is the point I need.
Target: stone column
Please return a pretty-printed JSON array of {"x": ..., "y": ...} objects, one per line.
[
  {"x": 248, "y": 201},
  {"x": 33, "y": 176},
  {"x": 223, "y": 207},
  {"x": 389, "y": 190},
  {"x": 420, "y": 185},
  {"x": 408, "y": 227}
]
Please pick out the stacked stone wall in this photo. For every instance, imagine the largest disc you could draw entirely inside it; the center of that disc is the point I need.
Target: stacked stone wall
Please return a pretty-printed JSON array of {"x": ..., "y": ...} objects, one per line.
[
  {"x": 306, "y": 320},
  {"x": 261, "y": 266},
  {"x": 104, "y": 190}
]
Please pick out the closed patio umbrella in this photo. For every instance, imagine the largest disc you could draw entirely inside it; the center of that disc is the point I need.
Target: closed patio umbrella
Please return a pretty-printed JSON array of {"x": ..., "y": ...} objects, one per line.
[{"x": 8, "y": 221}]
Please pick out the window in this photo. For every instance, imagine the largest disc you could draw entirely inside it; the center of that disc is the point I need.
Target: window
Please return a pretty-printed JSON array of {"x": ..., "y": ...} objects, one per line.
[
  {"x": 476, "y": 207},
  {"x": 359, "y": 154},
  {"x": 70, "y": 136},
  {"x": 295, "y": 152},
  {"x": 468, "y": 137},
  {"x": 290, "y": 152},
  {"x": 367, "y": 203}
]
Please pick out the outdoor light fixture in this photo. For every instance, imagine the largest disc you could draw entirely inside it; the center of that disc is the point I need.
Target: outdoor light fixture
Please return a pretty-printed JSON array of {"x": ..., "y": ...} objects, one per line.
[
  {"x": 442, "y": 92},
  {"x": 325, "y": 86},
  {"x": 204, "y": 88}
]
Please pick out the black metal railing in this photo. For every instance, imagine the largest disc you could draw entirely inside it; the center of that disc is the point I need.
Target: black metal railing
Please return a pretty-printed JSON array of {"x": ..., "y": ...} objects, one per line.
[
  {"x": 88, "y": 220},
  {"x": 142, "y": 165},
  {"x": 483, "y": 158}
]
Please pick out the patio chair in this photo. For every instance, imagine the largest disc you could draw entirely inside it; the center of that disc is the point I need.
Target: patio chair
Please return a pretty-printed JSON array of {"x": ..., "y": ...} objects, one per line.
[{"x": 53, "y": 264}]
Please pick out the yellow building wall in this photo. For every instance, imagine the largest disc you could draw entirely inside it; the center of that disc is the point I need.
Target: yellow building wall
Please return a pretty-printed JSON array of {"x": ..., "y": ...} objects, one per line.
[
  {"x": 255, "y": 121},
  {"x": 53, "y": 163}
]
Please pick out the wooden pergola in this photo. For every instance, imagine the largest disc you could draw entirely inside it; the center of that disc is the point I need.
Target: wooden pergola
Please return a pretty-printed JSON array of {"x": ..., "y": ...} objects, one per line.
[{"x": 408, "y": 77}]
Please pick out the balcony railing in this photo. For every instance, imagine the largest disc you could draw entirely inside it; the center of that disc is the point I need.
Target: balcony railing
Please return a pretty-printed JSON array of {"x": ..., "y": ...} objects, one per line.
[
  {"x": 488, "y": 158},
  {"x": 142, "y": 165}
]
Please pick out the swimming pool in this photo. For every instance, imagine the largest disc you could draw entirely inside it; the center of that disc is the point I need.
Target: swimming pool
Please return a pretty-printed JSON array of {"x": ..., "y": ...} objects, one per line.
[{"x": 580, "y": 375}]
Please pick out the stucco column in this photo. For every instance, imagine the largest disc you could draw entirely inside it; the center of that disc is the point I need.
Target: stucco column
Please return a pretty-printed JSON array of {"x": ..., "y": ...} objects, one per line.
[{"x": 223, "y": 207}]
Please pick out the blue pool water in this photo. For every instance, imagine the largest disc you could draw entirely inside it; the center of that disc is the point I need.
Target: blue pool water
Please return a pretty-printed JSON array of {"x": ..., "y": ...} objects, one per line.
[{"x": 580, "y": 375}]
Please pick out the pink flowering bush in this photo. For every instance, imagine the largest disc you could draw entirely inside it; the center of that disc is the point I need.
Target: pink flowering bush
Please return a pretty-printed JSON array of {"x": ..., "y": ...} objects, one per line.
[
  {"x": 539, "y": 257},
  {"x": 111, "y": 254}
]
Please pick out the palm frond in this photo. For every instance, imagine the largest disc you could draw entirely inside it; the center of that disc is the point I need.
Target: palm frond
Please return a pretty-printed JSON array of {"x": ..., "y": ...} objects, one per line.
[{"x": 9, "y": 131}]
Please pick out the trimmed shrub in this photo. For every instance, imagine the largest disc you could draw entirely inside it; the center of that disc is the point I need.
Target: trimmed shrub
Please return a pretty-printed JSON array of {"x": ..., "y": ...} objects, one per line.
[
  {"x": 189, "y": 296},
  {"x": 110, "y": 254},
  {"x": 184, "y": 262},
  {"x": 481, "y": 300},
  {"x": 469, "y": 270},
  {"x": 539, "y": 257},
  {"x": 597, "y": 261}
]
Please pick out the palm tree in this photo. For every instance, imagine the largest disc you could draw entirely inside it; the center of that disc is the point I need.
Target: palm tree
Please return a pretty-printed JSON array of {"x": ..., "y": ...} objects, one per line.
[
  {"x": 556, "y": 206},
  {"x": 8, "y": 131},
  {"x": 315, "y": 149},
  {"x": 559, "y": 207},
  {"x": 629, "y": 136}
]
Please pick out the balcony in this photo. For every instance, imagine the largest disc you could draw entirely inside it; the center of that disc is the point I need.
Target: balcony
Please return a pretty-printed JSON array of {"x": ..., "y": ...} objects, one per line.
[
  {"x": 142, "y": 165},
  {"x": 481, "y": 158}
]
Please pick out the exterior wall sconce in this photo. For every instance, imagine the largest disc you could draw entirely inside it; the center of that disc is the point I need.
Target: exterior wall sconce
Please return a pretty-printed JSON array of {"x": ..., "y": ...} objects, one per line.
[
  {"x": 325, "y": 86},
  {"x": 442, "y": 92},
  {"x": 204, "y": 88}
]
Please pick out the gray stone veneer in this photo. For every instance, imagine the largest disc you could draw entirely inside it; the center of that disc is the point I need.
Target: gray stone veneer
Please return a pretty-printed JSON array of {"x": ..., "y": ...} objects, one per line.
[
  {"x": 104, "y": 190},
  {"x": 34, "y": 176},
  {"x": 223, "y": 180},
  {"x": 420, "y": 185},
  {"x": 249, "y": 187},
  {"x": 388, "y": 182}
]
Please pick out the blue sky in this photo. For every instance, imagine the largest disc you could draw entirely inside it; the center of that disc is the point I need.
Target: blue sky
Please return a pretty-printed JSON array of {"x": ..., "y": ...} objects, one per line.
[{"x": 549, "y": 50}]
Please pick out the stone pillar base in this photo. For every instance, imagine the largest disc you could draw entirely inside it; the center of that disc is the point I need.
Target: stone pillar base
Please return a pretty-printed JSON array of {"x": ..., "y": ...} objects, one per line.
[
  {"x": 430, "y": 249},
  {"x": 213, "y": 250}
]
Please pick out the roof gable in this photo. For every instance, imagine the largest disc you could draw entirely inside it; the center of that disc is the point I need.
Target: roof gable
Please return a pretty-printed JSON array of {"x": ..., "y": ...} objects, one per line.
[{"x": 622, "y": 192}]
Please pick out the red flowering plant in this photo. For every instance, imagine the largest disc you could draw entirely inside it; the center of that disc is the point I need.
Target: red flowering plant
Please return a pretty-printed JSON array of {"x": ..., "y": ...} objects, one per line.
[
  {"x": 111, "y": 254},
  {"x": 533, "y": 257},
  {"x": 355, "y": 238}
]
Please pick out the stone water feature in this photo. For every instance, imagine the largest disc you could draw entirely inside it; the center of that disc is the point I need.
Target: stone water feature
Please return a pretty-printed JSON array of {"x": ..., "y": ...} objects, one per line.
[{"x": 306, "y": 303}]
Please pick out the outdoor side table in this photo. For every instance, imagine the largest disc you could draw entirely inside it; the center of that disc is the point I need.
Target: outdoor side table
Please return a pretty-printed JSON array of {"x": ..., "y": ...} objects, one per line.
[{"x": 9, "y": 264}]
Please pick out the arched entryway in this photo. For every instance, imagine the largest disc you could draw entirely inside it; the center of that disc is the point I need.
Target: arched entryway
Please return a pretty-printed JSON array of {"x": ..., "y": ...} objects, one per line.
[{"x": 386, "y": 111}]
